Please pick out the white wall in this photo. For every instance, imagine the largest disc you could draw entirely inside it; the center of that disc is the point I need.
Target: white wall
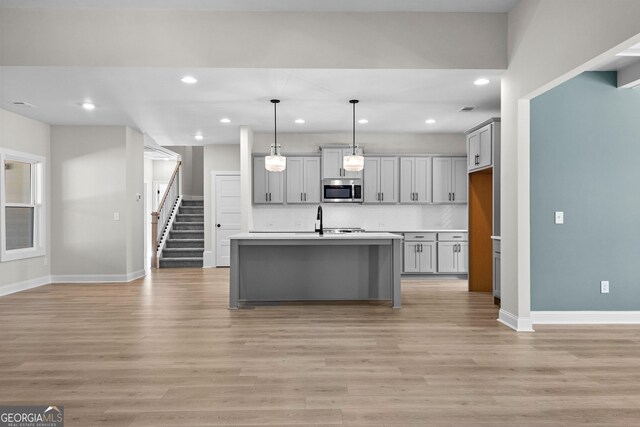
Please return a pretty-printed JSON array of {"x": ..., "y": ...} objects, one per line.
[
  {"x": 217, "y": 158},
  {"x": 191, "y": 169},
  {"x": 135, "y": 217},
  {"x": 161, "y": 170},
  {"x": 22, "y": 134},
  {"x": 173, "y": 38},
  {"x": 96, "y": 171},
  {"x": 372, "y": 143},
  {"x": 387, "y": 217},
  {"x": 550, "y": 41}
]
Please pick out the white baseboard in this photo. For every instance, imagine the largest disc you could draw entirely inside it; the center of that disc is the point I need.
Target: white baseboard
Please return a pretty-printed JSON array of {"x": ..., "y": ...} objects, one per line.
[
  {"x": 208, "y": 261},
  {"x": 12, "y": 288},
  {"x": 97, "y": 278},
  {"x": 519, "y": 324},
  {"x": 136, "y": 275},
  {"x": 585, "y": 317}
]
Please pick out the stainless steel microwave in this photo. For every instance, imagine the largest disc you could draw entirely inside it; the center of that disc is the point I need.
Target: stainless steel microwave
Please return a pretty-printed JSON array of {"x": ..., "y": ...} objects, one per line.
[{"x": 341, "y": 190}]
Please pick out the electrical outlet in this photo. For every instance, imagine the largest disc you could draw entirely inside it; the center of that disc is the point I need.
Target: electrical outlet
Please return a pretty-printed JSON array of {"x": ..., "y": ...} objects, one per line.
[
  {"x": 559, "y": 217},
  {"x": 604, "y": 287},
  {"x": 116, "y": 216}
]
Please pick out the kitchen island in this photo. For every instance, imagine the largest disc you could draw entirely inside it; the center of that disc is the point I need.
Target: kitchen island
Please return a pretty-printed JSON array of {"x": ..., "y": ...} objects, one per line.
[{"x": 280, "y": 267}]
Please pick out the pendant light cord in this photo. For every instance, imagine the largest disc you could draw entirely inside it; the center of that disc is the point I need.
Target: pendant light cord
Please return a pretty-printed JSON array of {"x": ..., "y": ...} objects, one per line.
[
  {"x": 275, "y": 126},
  {"x": 354, "y": 102}
]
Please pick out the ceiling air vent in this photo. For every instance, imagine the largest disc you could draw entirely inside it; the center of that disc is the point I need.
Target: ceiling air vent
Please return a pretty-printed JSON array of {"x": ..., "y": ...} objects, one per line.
[
  {"x": 23, "y": 104},
  {"x": 467, "y": 109}
]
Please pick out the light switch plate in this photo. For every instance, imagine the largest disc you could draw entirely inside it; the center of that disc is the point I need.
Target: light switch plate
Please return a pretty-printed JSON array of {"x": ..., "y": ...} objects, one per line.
[
  {"x": 559, "y": 217},
  {"x": 116, "y": 216},
  {"x": 604, "y": 287}
]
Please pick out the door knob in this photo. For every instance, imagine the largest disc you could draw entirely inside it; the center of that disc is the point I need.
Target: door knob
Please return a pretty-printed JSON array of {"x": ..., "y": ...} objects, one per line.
[{"x": 218, "y": 225}]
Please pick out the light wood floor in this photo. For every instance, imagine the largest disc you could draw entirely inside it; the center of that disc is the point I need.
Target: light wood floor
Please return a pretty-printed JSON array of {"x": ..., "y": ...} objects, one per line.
[{"x": 165, "y": 351}]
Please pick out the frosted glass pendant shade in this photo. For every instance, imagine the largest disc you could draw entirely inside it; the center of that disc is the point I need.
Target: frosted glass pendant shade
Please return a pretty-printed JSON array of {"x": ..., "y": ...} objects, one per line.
[
  {"x": 275, "y": 163},
  {"x": 353, "y": 163}
]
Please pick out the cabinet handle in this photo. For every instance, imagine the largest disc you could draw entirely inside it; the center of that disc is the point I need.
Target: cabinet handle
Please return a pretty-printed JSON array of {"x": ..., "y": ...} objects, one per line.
[
  {"x": 449, "y": 196},
  {"x": 269, "y": 196},
  {"x": 454, "y": 196},
  {"x": 266, "y": 197},
  {"x": 305, "y": 196},
  {"x": 382, "y": 197}
]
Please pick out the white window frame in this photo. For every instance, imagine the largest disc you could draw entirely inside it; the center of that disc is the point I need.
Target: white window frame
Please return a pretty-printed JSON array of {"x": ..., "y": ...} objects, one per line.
[{"x": 38, "y": 194}]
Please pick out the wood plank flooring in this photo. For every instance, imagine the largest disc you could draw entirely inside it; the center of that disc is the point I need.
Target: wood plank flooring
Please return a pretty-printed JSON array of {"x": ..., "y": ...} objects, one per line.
[{"x": 165, "y": 351}]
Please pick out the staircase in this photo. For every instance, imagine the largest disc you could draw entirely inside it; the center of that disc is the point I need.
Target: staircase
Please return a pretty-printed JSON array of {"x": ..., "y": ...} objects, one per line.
[{"x": 185, "y": 245}]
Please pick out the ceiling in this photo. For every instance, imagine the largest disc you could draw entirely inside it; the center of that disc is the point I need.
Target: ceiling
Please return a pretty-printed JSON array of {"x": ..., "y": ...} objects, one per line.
[
  {"x": 624, "y": 59},
  {"x": 156, "y": 102},
  {"x": 279, "y": 5}
]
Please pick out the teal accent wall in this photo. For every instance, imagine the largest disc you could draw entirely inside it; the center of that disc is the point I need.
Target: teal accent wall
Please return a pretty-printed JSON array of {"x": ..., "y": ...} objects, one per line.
[{"x": 585, "y": 161}]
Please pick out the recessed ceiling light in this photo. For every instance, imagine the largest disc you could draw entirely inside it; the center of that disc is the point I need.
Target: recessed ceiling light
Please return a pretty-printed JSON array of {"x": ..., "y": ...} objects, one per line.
[
  {"x": 225, "y": 120},
  {"x": 189, "y": 80},
  {"x": 430, "y": 121},
  {"x": 199, "y": 137},
  {"x": 363, "y": 121},
  {"x": 88, "y": 106},
  {"x": 481, "y": 82},
  {"x": 299, "y": 121}
]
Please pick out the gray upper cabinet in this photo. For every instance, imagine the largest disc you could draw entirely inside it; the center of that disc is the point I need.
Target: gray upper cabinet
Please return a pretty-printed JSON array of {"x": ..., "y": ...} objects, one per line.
[
  {"x": 332, "y": 166},
  {"x": 415, "y": 180},
  {"x": 450, "y": 180},
  {"x": 380, "y": 180},
  {"x": 303, "y": 180},
  {"x": 268, "y": 187},
  {"x": 480, "y": 145}
]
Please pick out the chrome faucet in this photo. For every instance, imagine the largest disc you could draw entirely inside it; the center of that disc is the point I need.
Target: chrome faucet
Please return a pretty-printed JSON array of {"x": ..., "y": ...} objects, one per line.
[{"x": 320, "y": 229}]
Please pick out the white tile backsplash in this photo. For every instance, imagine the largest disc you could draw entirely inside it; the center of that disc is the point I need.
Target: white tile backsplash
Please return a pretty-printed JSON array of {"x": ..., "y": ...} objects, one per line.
[{"x": 369, "y": 217}]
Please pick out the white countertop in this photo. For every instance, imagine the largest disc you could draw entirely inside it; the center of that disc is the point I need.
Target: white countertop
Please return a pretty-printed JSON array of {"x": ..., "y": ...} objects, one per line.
[
  {"x": 428, "y": 231},
  {"x": 409, "y": 230},
  {"x": 314, "y": 236}
]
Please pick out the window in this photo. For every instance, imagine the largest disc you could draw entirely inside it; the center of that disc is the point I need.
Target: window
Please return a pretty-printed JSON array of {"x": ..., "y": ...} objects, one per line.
[{"x": 22, "y": 215}]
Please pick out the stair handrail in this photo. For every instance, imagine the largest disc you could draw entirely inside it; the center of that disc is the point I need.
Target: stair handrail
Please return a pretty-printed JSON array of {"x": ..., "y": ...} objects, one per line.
[{"x": 162, "y": 215}]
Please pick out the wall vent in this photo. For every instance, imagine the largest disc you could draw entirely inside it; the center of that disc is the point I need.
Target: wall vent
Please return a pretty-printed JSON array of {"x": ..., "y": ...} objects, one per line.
[{"x": 466, "y": 109}]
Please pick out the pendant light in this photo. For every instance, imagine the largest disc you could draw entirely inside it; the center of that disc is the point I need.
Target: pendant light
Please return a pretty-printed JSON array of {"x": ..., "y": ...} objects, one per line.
[
  {"x": 275, "y": 162},
  {"x": 353, "y": 162}
]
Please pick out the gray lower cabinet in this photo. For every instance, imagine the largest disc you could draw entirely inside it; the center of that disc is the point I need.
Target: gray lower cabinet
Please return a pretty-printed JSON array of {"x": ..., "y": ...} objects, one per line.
[
  {"x": 496, "y": 268},
  {"x": 419, "y": 253},
  {"x": 453, "y": 253},
  {"x": 268, "y": 187},
  {"x": 380, "y": 180},
  {"x": 415, "y": 180},
  {"x": 450, "y": 180},
  {"x": 303, "y": 180}
]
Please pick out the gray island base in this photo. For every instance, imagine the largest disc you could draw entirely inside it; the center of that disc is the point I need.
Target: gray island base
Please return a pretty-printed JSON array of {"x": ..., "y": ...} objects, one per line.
[{"x": 281, "y": 267}]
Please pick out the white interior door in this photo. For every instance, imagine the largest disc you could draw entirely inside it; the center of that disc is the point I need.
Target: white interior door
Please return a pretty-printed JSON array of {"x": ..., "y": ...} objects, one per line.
[
  {"x": 227, "y": 215},
  {"x": 158, "y": 191}
]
